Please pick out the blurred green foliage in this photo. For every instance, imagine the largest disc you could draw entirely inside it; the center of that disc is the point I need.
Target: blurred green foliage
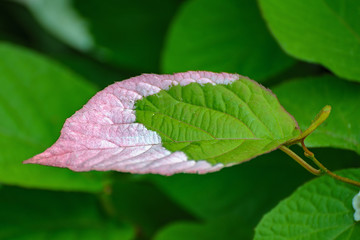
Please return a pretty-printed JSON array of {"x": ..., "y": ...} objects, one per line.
[{"x": 54, "y": 55}]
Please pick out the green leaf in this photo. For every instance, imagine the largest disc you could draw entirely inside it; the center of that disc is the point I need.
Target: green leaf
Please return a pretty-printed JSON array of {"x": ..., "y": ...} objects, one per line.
[
  {"x": 303, "y": 98},
  {"x": 36, "y": 96},
  {"x": 38, "y": 215},
  {"x": 227, "y": 36},
  {"x": 319, "y": 31},
  {"x": 218, "y": 123},
  {"x": 321, "y": 209}
]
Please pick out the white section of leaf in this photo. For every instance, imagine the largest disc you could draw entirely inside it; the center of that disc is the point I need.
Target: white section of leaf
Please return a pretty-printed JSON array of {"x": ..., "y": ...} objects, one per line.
[
  {"x": 60, "y": 19},
  {"x": 356, "y": 206}
]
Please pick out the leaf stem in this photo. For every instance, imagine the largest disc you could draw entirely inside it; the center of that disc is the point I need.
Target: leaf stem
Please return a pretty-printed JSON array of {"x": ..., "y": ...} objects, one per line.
[
  {"x": 299, "y": 160},
  {"x": 319, "y": 119},
  {"x": 311, "y": 156}
]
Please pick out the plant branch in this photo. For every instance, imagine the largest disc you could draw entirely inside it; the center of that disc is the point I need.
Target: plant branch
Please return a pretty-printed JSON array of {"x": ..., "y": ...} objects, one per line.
[
  {"x": 319, "y": 119},
  {"x": 311, "y": 156},
  {"x": 299, "y": 160}
]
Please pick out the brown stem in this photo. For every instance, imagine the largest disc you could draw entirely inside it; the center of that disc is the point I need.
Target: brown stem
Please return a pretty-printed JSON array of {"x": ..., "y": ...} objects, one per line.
[
  {"x": 311, "y": 155},
  {"x": 300, "y": 160},
  {"x": 319, "y": 119},
  {"x": 307, "y": 152}
]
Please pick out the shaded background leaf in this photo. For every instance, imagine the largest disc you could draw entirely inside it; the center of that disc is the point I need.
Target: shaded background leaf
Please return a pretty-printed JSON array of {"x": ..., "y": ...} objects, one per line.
[
  {"x": 114, "y": 32},
  {"x": 219, "y": 36},
  {"x": 227, "y": 227},
  {"x": 36, "y": 97},
  {"x": 59, "y": 18},
  {"x": 143, "y": 204},
  {"x": 38, "y": 214}
]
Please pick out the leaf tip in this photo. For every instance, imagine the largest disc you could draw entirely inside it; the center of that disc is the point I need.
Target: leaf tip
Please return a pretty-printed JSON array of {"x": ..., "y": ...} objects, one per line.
[
  {"x": 327, "y": 109},
  {"x": 323, "y": 114},
  {"x": 33, "y": 160},
  {"x": 29, "y": 161}
]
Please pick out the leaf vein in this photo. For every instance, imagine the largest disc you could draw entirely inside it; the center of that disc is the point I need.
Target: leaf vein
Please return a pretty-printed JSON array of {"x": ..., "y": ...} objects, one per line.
[
  {"x": 227, "y": 114},
  {"x": 249, "y": 109}
]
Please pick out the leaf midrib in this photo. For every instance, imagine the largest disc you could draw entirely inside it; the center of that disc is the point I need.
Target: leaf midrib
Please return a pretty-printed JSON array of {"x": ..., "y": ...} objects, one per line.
[
  {"x": 214, "y": 138},
  {"x": 211, "y": 109},
  {"x": 247, "y": 105}
]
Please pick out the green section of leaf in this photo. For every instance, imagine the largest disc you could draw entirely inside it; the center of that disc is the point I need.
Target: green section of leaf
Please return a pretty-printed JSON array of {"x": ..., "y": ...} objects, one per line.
[
  {"x": 303, "y": 98},
  {"x": 36, "y": 96},
  {"x": 218, "y": 123},
  {"x": 321, "y": 209},
  {"x": 146, "y": 206},
  {"x": 321, "y": 31},
  {"x": 34, "y": 214},
  {"x": 225, "y": 36}
]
